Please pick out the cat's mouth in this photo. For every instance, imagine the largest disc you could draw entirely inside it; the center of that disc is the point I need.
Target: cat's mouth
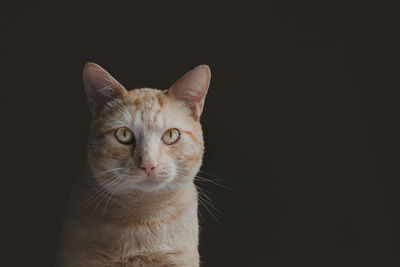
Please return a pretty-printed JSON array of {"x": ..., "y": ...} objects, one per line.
[{"x": 156, "y": 180}]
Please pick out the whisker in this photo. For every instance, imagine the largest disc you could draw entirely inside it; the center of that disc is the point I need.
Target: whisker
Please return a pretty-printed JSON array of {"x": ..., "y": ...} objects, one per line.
[
  {"x": 98, "y": 193},
  {"x": 202, "y": 179},
  {"x": 201, "y": 200},
  {"x": 111, "y": 190},
  {"x": 209, "y": 200},
  {"x": 103, "y": 172},
  {"x": 213, "y": 175},
  {"x": 107, "y": 190}
]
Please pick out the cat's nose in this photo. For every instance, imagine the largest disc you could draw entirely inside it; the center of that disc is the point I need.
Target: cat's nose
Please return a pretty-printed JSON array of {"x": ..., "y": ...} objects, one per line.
[{"x": 148, "y": 167}]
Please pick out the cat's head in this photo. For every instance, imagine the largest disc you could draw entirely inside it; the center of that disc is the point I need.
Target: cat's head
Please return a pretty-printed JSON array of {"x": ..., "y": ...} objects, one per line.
[{"x": 145, "y": 139}]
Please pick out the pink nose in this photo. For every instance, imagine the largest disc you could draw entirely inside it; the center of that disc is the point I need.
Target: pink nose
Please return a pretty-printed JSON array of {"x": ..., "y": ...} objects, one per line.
[{"x": 148, "y": 167}]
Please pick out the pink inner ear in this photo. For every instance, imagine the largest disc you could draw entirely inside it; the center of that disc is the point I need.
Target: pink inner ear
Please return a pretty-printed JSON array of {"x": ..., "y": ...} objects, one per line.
[
  {"x": 192, "y": 89},
  {"x": 100, "y": 87}
]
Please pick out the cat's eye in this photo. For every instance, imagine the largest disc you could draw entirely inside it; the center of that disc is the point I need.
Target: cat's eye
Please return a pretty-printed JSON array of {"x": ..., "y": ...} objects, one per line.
[
  {"x": 124, "y": 135},
  {"x": 171, "y": 136}
]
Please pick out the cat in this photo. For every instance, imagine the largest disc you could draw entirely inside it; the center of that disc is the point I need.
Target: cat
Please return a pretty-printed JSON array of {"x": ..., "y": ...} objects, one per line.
[{"x": 138, "y": 205}]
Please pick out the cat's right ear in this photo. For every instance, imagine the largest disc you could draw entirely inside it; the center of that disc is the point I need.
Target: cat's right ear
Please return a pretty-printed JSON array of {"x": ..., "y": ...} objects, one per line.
[
  {"x": 100, "y": 87},
  {"x": 192, "y": 88}
]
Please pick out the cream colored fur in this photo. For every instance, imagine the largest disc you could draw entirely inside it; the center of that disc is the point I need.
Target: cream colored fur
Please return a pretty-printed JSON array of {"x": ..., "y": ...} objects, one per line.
[{"x": 118, "y": 215}]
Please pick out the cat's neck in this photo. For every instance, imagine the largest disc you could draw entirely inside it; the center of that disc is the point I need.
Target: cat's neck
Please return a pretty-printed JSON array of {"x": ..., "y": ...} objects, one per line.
[{"x": 137, "y": 206}]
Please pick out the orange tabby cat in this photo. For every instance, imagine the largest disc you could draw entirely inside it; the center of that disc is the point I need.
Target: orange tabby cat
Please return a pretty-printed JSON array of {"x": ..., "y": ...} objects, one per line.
[{"x": 138, "y": 206}]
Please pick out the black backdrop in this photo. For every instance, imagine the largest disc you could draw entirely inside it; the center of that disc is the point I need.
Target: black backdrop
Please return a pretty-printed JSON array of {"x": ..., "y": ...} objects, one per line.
[{"x": 301, "y": 120}]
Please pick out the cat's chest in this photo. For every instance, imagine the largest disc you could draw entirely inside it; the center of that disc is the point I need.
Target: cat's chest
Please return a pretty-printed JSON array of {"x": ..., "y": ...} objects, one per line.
[{"x": 140, "y": 239}]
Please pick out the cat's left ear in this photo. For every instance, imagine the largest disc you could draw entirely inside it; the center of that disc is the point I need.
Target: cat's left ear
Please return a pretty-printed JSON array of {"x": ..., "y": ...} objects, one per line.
[
  {"x": 192, "y": 88},
  {"x": 100, "y": 87}
]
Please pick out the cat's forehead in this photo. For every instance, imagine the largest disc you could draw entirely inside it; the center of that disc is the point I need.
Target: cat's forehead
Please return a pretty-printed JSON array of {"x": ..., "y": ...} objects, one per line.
[
  {"x": 146, "y": 99},
  {"x": 150, "y": 109}
]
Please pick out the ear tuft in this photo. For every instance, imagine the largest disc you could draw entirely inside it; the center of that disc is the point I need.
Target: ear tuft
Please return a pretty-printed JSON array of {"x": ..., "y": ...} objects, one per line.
[
  {"x": 100, "y": 87},
  {"x": 192, "y": 89}
]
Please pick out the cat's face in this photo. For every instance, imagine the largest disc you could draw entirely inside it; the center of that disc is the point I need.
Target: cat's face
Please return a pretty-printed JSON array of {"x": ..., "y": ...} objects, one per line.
[{"x": 145, "y": 139}]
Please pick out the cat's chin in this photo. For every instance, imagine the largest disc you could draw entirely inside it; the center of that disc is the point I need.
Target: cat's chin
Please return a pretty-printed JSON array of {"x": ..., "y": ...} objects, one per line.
[{"x": 149, "y": 185}]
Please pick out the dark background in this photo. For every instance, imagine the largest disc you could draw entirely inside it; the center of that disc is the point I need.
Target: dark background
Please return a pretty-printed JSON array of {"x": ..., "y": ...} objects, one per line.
[{"x": 301, "y": 120}]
